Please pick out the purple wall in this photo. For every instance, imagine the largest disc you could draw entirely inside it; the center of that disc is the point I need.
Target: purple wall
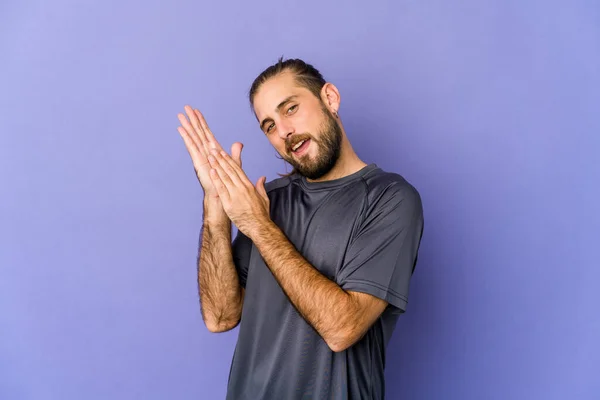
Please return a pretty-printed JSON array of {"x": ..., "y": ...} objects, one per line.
[{"x": 492, "y": 109}]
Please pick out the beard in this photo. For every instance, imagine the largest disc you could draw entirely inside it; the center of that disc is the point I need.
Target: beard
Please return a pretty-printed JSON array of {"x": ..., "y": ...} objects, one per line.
[{"x": 328, "y": 145}]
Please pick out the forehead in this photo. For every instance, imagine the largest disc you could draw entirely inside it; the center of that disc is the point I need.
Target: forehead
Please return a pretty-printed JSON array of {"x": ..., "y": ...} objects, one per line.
[{"x": 273, "y": 91}]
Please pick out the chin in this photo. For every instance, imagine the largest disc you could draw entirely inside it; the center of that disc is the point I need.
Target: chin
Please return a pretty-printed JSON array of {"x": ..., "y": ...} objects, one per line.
[{"x": 315, "y": 171}]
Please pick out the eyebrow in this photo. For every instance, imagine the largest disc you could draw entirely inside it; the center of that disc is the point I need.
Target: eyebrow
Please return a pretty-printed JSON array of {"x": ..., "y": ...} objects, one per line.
[{"x": 283, "y": 103}]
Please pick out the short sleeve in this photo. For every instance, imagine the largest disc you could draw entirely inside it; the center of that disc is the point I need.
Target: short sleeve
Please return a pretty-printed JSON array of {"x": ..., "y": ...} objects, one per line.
[
  {"x": 382, "y": 255},
  {"x": 241, "y": 249}
]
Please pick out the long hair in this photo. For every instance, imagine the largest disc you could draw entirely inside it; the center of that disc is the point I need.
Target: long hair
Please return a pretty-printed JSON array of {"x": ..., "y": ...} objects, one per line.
[{"x": 305, "y": 74}]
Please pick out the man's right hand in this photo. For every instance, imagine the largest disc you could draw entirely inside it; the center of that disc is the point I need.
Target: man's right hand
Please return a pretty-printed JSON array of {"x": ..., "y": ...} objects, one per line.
[{"x": 199, "y": 140}]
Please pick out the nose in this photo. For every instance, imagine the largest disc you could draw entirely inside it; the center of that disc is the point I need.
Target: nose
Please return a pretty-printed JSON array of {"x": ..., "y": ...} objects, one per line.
[{"x": 284, "y": 129}]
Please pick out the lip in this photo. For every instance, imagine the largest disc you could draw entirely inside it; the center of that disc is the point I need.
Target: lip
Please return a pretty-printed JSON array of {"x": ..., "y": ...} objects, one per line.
[{"x": 304, "y": 148}]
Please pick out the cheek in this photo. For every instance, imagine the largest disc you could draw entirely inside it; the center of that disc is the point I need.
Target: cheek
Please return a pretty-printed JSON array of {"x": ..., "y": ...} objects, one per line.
[
  {"x": 312, "y": 124},
  {"x": 277, "y": 143},
  {"x": 303, "y": 124}
]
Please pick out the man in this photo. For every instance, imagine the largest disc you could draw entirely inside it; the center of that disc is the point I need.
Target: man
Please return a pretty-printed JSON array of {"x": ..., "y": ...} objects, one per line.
[{"x": 320, "y": 268}]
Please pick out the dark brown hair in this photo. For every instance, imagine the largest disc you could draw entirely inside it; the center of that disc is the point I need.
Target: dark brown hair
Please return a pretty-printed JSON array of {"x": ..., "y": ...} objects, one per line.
[{"x": 306, "y": 75}]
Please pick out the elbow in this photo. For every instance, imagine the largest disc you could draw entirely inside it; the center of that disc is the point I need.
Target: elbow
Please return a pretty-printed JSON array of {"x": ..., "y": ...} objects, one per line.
[
  {"x": 337, "y": 347},
  {"x": 343, "y": 335},
  {"x": 216, "y": 328},
  {"x": 222, "y": 321},
  {"x": 341, "y": 341},
  {"x": 221, "y": 326}
]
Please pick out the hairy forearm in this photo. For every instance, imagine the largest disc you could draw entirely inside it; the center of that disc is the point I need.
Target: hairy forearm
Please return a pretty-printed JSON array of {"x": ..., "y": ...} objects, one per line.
[
  {"x": 218, "y": 284},
  {"x": 329, "y": 309}
]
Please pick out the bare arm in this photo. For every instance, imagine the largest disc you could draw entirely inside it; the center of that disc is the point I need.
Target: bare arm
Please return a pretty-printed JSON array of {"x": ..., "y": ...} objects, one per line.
[
  {"x": 220, "y": 291},
  {"x": 221, "y": 296},
  {"x": 340, "y": 317}
]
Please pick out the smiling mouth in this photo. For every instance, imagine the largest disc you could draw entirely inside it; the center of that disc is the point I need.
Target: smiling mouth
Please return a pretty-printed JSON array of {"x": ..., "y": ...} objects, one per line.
[{"x": 301, "y": 146}]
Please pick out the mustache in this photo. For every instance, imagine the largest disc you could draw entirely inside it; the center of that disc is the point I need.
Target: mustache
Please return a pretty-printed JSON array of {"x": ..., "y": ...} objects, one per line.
[{"x": 291, "y": 141}]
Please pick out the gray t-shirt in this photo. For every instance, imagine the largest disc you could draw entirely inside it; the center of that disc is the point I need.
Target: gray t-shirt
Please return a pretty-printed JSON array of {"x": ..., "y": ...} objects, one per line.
[{"x": 361, "y": 231}]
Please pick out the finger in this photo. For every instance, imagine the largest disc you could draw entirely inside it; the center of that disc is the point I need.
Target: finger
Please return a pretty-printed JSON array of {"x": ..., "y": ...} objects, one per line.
[
  {"x": 194, "y": 120},
  {"x": 198, "y": 126},
  {"x": 236, "y": 153},
  {"x": 230, "y": 162},
  {"x": 260, "y": 187},
  {"x": 199, "y": 134},
  {"x": 197, "y": 158},
  {"x": 207, "y": 132},
  {"x": 220, "y": 187},
  {"x": 194, "y": 135},
  {"x": 223, "y": 175},
  {"x": 228, "y": 166},
  {"x": 189, "y": 143}
]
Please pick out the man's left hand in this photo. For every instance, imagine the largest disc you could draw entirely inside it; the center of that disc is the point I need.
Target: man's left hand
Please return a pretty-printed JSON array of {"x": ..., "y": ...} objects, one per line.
[{"x": 246, "y": 205}]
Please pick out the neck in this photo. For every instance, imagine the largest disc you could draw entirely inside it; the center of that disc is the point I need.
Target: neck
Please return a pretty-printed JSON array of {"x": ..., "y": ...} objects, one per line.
[{"x": 347, "y": 164}]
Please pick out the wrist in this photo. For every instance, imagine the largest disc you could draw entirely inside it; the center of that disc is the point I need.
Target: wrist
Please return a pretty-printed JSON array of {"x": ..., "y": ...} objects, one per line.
[
  {"x": 214, "y": 214},
  {"x": 261, "y": 229}
]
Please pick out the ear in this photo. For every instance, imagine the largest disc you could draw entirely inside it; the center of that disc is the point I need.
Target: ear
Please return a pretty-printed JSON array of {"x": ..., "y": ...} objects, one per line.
[{"x": 331, "y": 97}]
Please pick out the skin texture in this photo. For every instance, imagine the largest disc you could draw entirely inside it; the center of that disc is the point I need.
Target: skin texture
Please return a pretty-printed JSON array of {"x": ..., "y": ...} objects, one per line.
[
  {"x": 286, "y": 113},
  {"x": 221, "y": 296}
]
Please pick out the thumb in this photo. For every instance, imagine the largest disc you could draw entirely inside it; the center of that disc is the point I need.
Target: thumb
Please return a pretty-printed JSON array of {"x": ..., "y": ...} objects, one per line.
[
  {"x": 260, "y": 187},
  {"x": 236, "y": 153}
]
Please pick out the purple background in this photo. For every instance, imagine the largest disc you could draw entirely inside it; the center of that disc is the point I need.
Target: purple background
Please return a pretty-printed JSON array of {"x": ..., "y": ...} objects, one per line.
[{"x": 491, "y": 109}]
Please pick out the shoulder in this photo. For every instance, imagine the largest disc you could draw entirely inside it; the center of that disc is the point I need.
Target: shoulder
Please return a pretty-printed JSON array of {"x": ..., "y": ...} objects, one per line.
[
  {"x": 391, "y": 189},
  {"x": 279, "y": 183}
]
